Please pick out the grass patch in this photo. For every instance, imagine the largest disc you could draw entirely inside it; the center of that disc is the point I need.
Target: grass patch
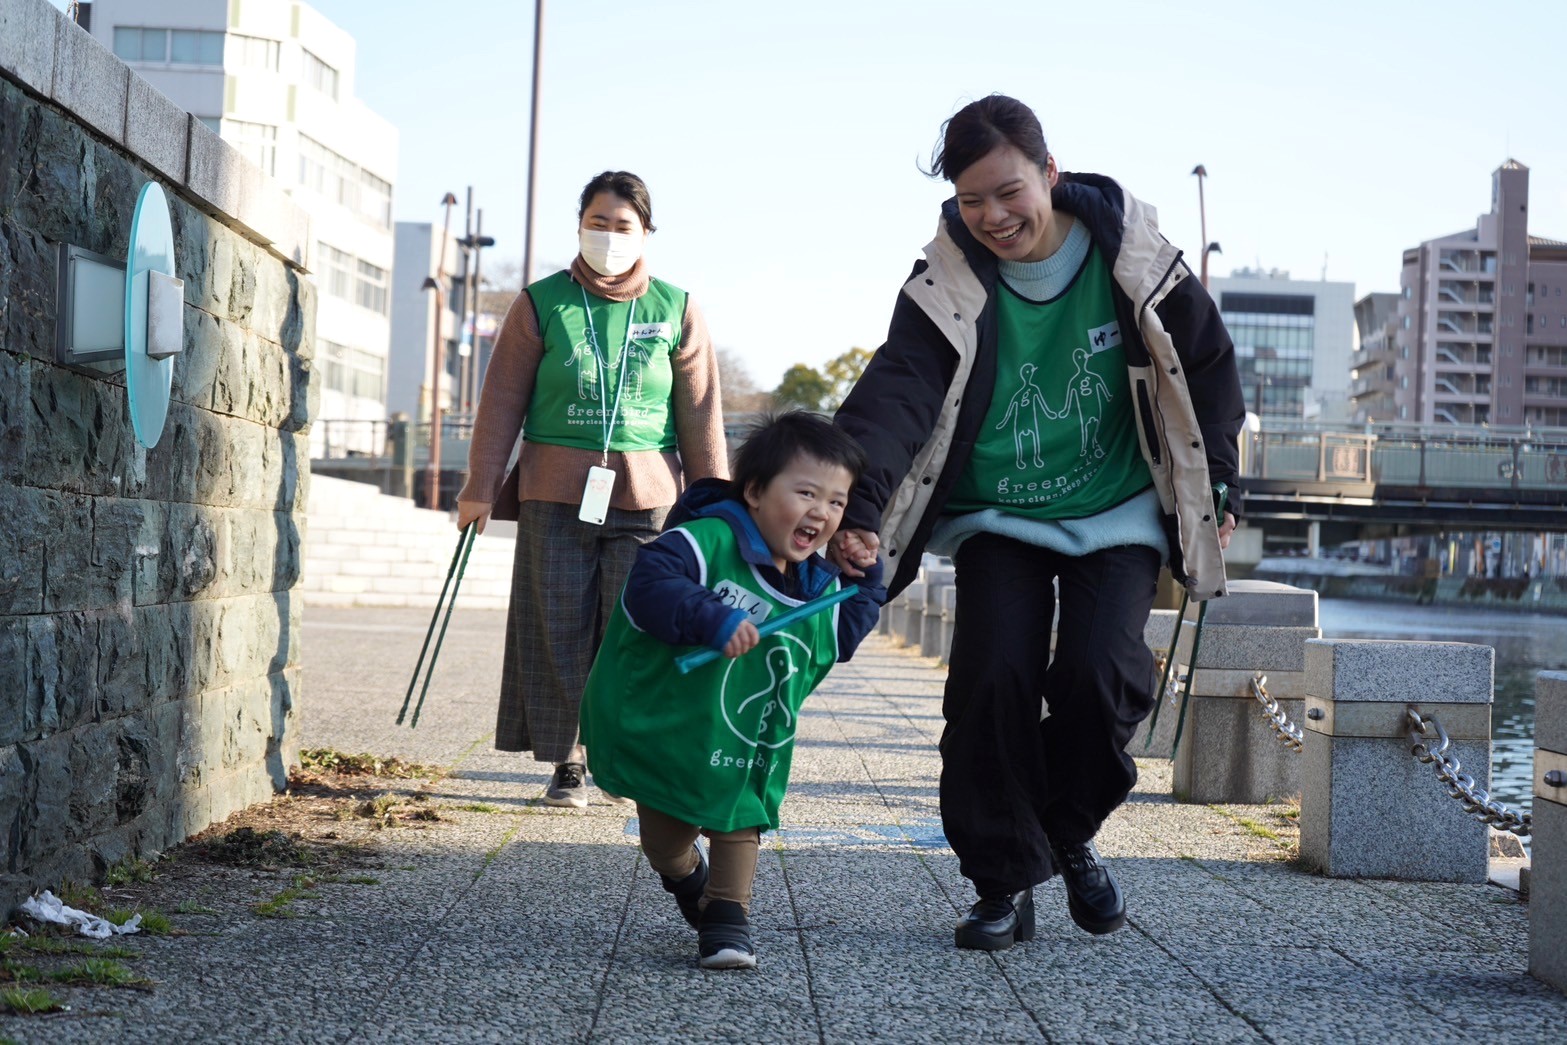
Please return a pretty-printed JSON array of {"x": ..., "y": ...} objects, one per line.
[
  {"x": 154, "y": 923},
  {"x": 386, "y": 809},
  {"x": 1250, "y": 826},
  {"x": 129, "y": 870},
  {"x": 476, "y": 807},
  {"x": 29, "y": 1000},
  {"x": 489, "y": 857},
  {"x": 192, "y": 907},
  {"x": 47, "y": 945},
  {"x": 280, "y": 906},
  {"x": 360, "y": 879},
  {"x": 81, "y": 897},
  {"x": 99, "y": 972},
  {"x": 325, "y": 760}
]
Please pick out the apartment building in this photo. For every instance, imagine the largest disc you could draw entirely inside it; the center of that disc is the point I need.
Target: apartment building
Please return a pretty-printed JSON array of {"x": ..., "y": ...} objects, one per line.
[
  {"x": 275, "y": 78},
  {"x": 1481, "y": 331},
  {"x": 1374, "y": 362}
]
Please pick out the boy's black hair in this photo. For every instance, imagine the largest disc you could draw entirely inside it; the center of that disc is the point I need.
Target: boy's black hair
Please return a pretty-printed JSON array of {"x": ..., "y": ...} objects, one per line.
[{"x": 776, "y": 439}]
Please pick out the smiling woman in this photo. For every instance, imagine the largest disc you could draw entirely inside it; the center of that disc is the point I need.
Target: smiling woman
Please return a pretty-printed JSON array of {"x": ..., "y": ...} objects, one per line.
[{"x": 1054, "y": 401}]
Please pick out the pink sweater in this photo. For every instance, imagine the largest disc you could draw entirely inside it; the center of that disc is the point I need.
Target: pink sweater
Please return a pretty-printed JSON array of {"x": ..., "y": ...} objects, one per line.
[{"x": 643, "y": 479}]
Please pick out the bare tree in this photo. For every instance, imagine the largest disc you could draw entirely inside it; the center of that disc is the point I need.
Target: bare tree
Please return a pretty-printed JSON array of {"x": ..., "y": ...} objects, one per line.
[{"x": 741, "y": 396}]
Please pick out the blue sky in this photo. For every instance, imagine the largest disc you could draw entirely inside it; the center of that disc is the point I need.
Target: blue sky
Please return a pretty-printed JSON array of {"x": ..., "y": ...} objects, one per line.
[{"x": 780, "y": 141}]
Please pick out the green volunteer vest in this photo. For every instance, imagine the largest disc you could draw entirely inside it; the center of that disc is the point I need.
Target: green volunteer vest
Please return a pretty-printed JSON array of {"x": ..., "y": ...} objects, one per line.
[
  {"x": 712, "y": 748},
  {"x": 569, "y": 406},
  {"x": 1059, "y": 440}
]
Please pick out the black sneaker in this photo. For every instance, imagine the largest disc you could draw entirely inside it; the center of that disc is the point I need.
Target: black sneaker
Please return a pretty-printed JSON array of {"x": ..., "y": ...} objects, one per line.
[
  {"x": 568, "y": 786},
  {"x": 996, "y": 923},
  {"x": 688, "y": 890},
  {"x": 724, "y": 937},
  {"x": 1093, "y": 896}
]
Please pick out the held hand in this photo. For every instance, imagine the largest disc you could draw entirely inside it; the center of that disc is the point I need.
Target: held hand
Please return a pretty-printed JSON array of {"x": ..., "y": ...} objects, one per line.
[
  {"x": 743, "y": 641},
  {"x": 472, "y": 511},
  {"x": 852, "y": 550},
  {"x": 1225, "y": 530}
]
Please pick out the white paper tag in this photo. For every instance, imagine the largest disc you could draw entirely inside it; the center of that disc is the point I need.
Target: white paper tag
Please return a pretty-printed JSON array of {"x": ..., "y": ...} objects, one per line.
[{"x": 595, "y": 495}]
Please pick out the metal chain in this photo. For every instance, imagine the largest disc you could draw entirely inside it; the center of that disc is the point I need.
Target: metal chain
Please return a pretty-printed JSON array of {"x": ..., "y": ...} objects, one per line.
[
  {"x": 1288, "y": 733},
  {"x": 1461, "y": 785}
]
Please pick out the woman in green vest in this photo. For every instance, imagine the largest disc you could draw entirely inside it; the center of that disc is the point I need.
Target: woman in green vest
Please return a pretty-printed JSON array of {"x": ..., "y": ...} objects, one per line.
[
  {"x": 1056, "y": 399},
  {"x": 610, "y": 377}
]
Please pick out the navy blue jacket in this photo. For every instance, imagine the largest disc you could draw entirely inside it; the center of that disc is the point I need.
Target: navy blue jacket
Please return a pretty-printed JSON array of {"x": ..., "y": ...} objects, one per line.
[{"x": 663, "y": 598}]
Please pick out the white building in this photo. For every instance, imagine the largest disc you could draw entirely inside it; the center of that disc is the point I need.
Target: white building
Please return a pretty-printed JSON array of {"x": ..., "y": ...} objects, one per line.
[
  {"x": 1294, "y": 342},
  {"x": 276, "y": 80}
]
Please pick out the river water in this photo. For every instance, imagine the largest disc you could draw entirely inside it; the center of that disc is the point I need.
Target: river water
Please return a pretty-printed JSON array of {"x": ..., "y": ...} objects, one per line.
[{"x": 1525, "y": 645}]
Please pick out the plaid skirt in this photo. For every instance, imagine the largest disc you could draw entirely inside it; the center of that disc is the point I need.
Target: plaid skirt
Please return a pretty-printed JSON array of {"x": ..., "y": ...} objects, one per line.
[{"x": 565, "y": 578}]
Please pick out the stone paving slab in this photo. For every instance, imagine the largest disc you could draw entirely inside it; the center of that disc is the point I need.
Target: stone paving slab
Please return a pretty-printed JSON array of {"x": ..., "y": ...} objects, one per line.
[{"x": 530, "y": 923}]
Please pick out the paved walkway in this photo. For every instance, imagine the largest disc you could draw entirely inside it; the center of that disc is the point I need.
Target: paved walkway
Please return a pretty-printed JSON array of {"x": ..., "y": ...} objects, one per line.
[{"x": 538, "y": 924}]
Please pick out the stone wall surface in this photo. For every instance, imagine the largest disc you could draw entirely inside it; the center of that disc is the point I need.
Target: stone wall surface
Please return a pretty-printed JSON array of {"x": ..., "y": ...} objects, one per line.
[{"x": 149, "y": 664}]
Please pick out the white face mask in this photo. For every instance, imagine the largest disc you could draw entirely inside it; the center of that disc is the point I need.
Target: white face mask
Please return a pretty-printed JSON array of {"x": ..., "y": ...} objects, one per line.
[{"x": 609, "y": 253}]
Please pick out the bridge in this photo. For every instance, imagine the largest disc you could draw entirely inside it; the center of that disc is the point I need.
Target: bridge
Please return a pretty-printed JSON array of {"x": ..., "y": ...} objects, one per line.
[{"x": 1419, "y": 477}]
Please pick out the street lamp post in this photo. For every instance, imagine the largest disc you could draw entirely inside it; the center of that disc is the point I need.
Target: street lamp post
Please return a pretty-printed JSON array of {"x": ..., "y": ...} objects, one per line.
[
  {"x": 1202, "y": 212},
  {"x": 437, "y": 359},
  {"x": 1212, "y": 248},
  {"x": 533, "y": 145},
  {"x": 474, "y": 243}
]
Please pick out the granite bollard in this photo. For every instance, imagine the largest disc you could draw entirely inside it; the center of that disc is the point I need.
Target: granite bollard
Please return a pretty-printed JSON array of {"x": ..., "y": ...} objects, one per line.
[
  {"x": 949, "y": 620},
  {"x": 1229, "y": 751},
  {"x": 1368, "y": 808},
  {"x": 937, "y": 580},
  {"x": 1548, "y": 874},
  {"x": 911, "y": 616}
]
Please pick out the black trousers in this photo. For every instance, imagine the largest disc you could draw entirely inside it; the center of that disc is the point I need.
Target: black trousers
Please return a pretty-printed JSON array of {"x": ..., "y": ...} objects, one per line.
[{"x": 1009, "y": 782}]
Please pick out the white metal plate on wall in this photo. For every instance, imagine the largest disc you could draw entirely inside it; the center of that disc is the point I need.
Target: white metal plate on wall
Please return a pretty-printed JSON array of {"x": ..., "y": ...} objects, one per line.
[{"x": 148, "y": 378}]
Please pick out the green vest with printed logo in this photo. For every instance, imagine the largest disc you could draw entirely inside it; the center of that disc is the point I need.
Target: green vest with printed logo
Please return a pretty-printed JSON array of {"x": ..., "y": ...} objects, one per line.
[
  {"x": 1059, "y": 440},
  {"x": 711, "y": 748},
  {"x": 626, "y": 352}
]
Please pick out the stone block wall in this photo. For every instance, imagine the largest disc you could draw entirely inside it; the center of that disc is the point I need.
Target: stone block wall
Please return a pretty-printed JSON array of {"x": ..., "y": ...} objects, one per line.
[{"x": 149, "y": 665}]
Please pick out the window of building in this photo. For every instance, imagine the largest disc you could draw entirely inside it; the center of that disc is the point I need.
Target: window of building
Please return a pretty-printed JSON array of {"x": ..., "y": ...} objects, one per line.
[
  {"x": 368, "y": 380},
  {"x": 253, "y": 52},
  {"x": 257, "y": 142},
  {"x": 1528, "y": 323},
  {"x": 337, "y": 272},
  {"x": 371, "y": 289},
  {"x": 375, "y": 199},
  {"x": 1403, "y": 382},
  {"x": 168, "y": 46},
  {"x": 320, "y": 75}
]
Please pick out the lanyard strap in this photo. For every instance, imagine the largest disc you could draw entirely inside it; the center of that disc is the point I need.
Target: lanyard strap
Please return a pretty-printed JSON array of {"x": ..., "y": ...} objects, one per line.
[{"x": 600, "y": 358}]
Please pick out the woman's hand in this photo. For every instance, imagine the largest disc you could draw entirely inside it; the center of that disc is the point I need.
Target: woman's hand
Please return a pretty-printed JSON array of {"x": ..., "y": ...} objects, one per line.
[
  {"x": 744, "y": 640},
  {"x": 1225, "y": 530},
  {"x": 472, "y": 511},
  {"x": 852, "y": 550}
]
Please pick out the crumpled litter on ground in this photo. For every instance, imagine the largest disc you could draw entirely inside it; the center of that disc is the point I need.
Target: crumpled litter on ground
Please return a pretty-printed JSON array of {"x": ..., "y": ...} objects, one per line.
[{"x": 47, "y": 907}]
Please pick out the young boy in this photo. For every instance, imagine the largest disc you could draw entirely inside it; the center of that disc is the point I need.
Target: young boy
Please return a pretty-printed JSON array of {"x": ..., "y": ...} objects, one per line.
[{"x": 709, "y": 752}]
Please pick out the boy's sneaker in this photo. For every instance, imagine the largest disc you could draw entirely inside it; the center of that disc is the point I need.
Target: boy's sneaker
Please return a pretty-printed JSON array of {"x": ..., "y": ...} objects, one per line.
[
  {"x": 568, "y": 786},
  {"x": 724, "y": 937},
  {"x": 688, "y": 890}
]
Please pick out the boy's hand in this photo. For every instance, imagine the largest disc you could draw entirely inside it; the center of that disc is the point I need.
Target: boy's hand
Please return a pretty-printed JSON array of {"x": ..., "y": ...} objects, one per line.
[
  {"x": 744, "y": 640},
  {"x": 852, "y": 550}
]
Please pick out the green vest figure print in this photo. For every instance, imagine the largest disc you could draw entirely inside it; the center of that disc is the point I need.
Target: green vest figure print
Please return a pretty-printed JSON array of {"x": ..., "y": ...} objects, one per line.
[
  {"x": 712, "y": 747},
  {"x": 607, "y": 365},
  {"x": 1060, "y": 439}
]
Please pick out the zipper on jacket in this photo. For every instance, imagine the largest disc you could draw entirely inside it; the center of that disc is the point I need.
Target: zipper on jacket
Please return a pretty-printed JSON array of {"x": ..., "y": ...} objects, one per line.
[{"x": 1145, "y": 408}]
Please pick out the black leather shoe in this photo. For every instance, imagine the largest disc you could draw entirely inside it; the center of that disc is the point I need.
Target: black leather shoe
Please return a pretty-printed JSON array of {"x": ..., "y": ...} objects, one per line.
[
  {"x": 1093, "y": 897},
  {"x": 996, "y": 923}
]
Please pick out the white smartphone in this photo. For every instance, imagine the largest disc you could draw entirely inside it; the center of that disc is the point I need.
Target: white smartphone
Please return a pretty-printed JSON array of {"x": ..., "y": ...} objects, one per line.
[{"x": 595, "y": 495}]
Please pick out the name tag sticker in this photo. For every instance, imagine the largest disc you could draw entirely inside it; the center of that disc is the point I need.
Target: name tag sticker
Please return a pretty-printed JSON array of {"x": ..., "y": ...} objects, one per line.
[
  {"x": 736, "y": 597},
  {"x": 595, "y": 495},
  {"x": 651, "y": 332},
  {"x": 1102, "y": 339}
]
